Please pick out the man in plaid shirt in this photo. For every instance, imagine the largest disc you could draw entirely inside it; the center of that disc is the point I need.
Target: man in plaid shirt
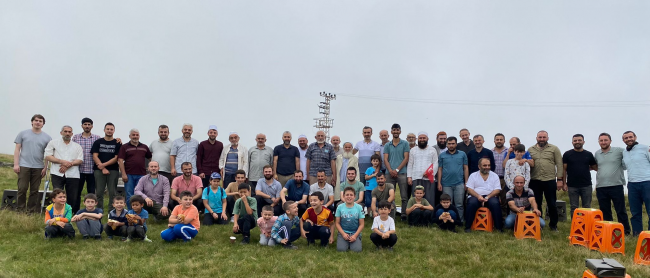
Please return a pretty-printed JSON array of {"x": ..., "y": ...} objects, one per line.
[
  {"x": 86, "y": 140},
  {"x": 321, "y": 156}
]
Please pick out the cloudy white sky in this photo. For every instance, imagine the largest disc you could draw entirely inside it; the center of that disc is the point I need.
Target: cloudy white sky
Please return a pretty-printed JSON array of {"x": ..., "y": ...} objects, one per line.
[{"x": 257, "y": 66}]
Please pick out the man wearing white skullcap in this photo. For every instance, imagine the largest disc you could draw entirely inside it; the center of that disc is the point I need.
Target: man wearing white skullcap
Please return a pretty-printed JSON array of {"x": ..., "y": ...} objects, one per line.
[
  {"x": 208, "y": 155},
  {"x": 302, "y": 148},
  {"x": 234, "y": 157},
  {"x": 421, "y": 158}
]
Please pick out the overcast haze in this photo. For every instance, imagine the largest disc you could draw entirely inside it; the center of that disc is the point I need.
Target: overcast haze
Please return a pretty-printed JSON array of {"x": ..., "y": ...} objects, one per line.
[{"x": 258, "y": 66}]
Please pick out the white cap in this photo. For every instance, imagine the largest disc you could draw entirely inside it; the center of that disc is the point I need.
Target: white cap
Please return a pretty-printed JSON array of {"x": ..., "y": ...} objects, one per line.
[
  {"x": 423, "y": 133},
  {"x": 234, "y": 132},
  {"x": 302, "y": 136},
  {"x": 212, "y": 127}
]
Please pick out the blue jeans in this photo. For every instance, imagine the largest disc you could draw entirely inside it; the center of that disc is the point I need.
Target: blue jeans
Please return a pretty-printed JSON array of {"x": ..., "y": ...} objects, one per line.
[
  {"x": 638, "y": 193},
  {"x": 367, "y": 199},
  {"x": 129, "y": 187},
  {"x": 510, "y": 221},
  {"x": 457, "y": 193}
]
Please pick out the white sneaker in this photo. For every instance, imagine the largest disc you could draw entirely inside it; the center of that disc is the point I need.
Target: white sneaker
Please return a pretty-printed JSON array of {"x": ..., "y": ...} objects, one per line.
[
  {"x": 146, "y": 239},
  {"x": 365, "y": 210},
  {"x": 232, "y": 219}
]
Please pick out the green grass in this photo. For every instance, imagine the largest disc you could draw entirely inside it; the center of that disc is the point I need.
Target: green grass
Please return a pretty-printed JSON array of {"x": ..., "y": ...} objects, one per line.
[
  {"x": 6, "y": 158},
  {"x": 419, "y": 251}
]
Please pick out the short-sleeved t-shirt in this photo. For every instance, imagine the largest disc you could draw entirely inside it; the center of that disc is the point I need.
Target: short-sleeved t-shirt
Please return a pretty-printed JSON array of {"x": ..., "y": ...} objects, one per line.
[
  {"x": 383, "y": 225},
  {"x": 233, "y": 187},
  {"x": 610, "y": 167},
  {"x": 286, "y": 159},
  {"x": 134, "y": 158},
  {"x": 412, "y": 202},
  {"x": 324, "y": 218},
  {"x": 383, "y": 195},
  {"x": 371, "y": 183},
  {"x": 160, "y": 153},
  {"x": 396, "y": 154},
  {"x": 295, "y": 193},
  {"x": 327, "y": 191},
  {"x": 240, "y": 207},
  {"x": 358, "y": 187},
  {"x": 215, "y": 199},
  {"x": 112, "y": 215},
  {"x": 191, "y": 212},
  {"x": 350, "y": 217},
  {"x": 143, "y": 214},
  {"x": 96, "y": 210},
  {"x": 366, "y": 150},
  {"x": 513, "y": 155},
  {"x": 272, "y": 190},
  {"x": 32, "y": 148},
  {"x": 106, "y": 150},
  {"x": 577, "y": 171},
  {"x": 521, "y": 200},
  {"x": 452, "y": 168}
]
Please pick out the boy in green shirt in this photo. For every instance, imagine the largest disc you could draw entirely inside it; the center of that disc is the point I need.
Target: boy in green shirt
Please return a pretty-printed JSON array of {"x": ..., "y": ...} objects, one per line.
[
  {"x": 418, "y": 209},
  {"x": 244, "y": 212}
]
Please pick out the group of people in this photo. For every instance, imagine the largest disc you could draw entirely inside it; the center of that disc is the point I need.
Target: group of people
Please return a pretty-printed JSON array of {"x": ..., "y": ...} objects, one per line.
[{"x": 308, "y": 186}]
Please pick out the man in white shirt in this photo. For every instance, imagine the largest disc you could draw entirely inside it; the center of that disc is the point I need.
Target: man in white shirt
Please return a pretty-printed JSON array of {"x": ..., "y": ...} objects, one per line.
[
  {"x": 66, "y": 156},
  {"x": 302, "y": 148},
  {"x": 421, "y": 158},
  {"x": 483, "y": 188}
]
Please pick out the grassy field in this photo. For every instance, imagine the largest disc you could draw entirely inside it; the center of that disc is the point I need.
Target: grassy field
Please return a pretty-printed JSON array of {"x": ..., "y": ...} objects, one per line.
[{"x": 419, "y": 251}]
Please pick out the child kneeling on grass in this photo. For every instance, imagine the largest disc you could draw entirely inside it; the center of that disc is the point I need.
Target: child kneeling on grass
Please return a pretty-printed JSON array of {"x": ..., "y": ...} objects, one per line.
[
  {"x": 446, "y": 215},
  {"x": 137, "y": 219},
  {"x": 287, "y": 227},
  {"x": 57, "y": 216},
  {"x": 89, "y": 219},
  {"x": 418, "y": 209},
  {"x": 349, "y": 223},
  {"x": 317, "y": 222},
  {"x": 245, "y": 212},
  {"x": 117, "y": 222},
  {"x": 383, "y": 228},
  {"x": 184, "y": 221},
  {"x": 266, "y": 223}
]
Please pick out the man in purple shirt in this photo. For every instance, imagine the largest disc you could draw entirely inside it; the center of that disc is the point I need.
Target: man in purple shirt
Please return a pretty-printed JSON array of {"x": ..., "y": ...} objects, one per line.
[
  {"x": 155, "y": 190},
  {"x": 207, "y": 156}
]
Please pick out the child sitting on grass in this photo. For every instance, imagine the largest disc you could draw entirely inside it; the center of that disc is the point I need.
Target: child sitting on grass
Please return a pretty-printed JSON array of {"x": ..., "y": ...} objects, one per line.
[
  {"x": 184, "y": 221},
  {"x": 383, "y": 227},
  {"x": 349, "y": 223},
  {"x": 418, "y": 209},
  {"x": 446, "y": 215},
  {"x": 317, "y": 222},
  {"x": 244, "y": 212},
  {"x": 117, "y": 222},
  {"x": 89, "y": 218},
  {"x": 286, "y": 228},
  {"x": 214, "y": 201},
  {"x": 57, "y": 216},
  {"x": 137, "y": 219},
  {"x": 266, "y": 223}
]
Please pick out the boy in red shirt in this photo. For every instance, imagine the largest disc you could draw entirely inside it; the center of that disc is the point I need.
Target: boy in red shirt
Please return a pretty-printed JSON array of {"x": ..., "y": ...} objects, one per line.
[{"x": 317, "y": 221}]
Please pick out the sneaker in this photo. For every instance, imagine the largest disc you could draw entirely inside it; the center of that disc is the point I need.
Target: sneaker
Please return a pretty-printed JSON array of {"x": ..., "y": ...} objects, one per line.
[
  {"x": 290, "y": 246},
  {"x": 124, "y": 239},
  {"x": 146, "y": 239},
  {"x": 128, "y": 239},
  {"x": 554, "y": 229},
  {"x": 390, "y": 249},
  {"x": 232, "y": 219},
  {"x": 98, "y": 237},
  {"x": 246, "y": 240},
  {"x": 85, "y": 237},
  {"x": 468, "y": 230}
]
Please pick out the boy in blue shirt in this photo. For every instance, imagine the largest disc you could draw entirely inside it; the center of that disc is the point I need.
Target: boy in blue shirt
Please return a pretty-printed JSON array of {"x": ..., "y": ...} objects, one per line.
[
  {"x": 214, "y": 201},
  {"x": 89, "y": 218},
  {"x": 287, "y": 227},
  {"x": 371, "y": 179},
  {"x": 137, "y": 219},
  {"x": 117, "y": 222},
  {"x": 349, "y": 223}
]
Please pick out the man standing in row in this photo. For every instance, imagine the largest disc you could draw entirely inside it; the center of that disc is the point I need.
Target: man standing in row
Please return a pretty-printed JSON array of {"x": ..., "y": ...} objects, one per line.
[
  {"x": 514, "y": 141},
  {"x": 66, "y": 156},
  {"x": 184, "y": 150},
  {"x": 466, "y": 144},
  {"x": 441, "y": 143},
  {"x": 28, "y": 163},
  {"x": 411, "y": 139},
  {"x": 336, "y": 145},
  {"x": 453, "y": 174},
  {"x": 234, "y": 157},
  {"x": 302, "y": 149},
  {"x": 86, "y": 140},
  {"x": 105, "y": 151},
  {"x": 396, "y": 155},
  {"x": 546, "y": 176},
  {"x": 610, "y": 181},
  {"x": 366, "y": 148},
  {"x": 637, "y": 161},
  {"x": 161, "y": 150},
  {"x": 132, "y": 162},
  {"x": 286, "y": 160},
  {"x": 420, "y": 159},
  {"x": 320, "y": 155},
  {"x": 577, "y": 164},
  {"x": 259, "y": 157},
  {"x": 473, "y": 156},
  {"x": 499, "y": 152},
  {"x": 383, "y": 136},
  {"x": 208, "y": 155}
]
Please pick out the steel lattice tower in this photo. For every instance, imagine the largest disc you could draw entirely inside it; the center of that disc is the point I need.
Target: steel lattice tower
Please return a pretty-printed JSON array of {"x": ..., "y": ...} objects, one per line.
[{"x": 324, "y": 123}]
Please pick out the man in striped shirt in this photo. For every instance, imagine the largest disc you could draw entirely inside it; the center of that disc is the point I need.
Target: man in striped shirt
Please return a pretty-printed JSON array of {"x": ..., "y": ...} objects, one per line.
[
  {"x": 233, "y": 157},
  {"x": 86, "y": 140}
]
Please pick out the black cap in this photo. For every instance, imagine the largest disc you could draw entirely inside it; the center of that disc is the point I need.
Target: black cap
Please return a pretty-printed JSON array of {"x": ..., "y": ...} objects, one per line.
[
  {"x": 86, "y": 120},
  {"x": 396, "y": 126}
]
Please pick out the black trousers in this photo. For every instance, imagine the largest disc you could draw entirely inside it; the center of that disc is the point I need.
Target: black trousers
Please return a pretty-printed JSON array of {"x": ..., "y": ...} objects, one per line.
[
  {"x": 56, "y": 231},
  {"x": 245, "y": 224},
  {"x": 89, "y": 179},
  {"x": 120, "y": 231},
  {"x": 380, "y": 242},
  {"x": 209, "y": 220},
  {"x": 71, "y": 187},
  {"x": 419, "y": 217},
  {"x": 546, "y": 189},
  {"x": 317, "y": 232},
  {"x": 616, "y": 195},
  {"x": 136, "y": 231},
  {"x": 261, "y": 202}
]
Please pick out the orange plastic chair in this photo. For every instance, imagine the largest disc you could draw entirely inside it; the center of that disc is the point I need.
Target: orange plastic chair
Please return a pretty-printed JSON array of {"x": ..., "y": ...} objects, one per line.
[
  {"x": 527, "y": 226},
  {"x": 607, "y": 237},
  {"x": 583, "y": 220},
  {"x": 482, "y": 220},
  {"x": 642, "y": 253},
  {"x": 588, "y": 274}
]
